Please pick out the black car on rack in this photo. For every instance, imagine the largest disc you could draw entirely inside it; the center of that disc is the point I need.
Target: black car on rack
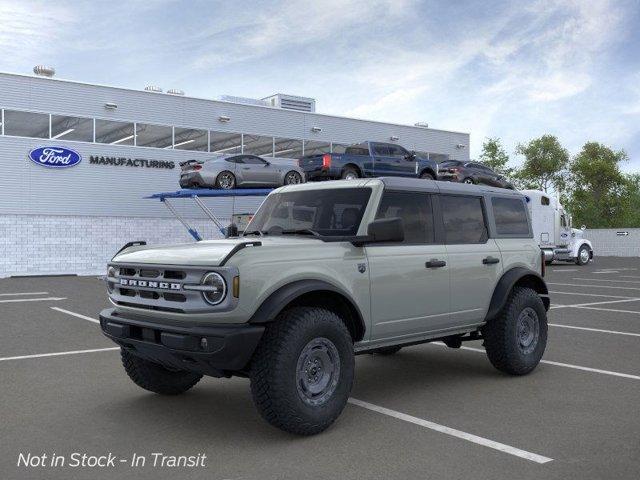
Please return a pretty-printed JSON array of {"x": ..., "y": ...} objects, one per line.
[{"x": 471, "y": 172}]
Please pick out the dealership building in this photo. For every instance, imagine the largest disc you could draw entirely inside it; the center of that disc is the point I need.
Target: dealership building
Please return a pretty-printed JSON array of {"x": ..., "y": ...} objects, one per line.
[{"x": 128, "y": 145}]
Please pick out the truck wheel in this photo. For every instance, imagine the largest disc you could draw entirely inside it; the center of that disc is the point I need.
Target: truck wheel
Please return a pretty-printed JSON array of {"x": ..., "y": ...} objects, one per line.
[
  {"x": 302, "y": 371},
  {"x": 155, "y": 378},
  {"x": 225, "y": 180},
  {"x": 388, "y": 350},
  {"x": 516, "y": 339},
  {"x": 350, "y": 173},
  {"x": 583, "y": 255},
  {"x": 427, "y": 176}
]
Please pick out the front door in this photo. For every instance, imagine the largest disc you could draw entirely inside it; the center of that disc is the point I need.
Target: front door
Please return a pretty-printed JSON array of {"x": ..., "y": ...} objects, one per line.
[
  {"x": 409, "y": 280},
  {"x": 403, "y": 163},
  {"x": 474, "y": 259},
  {"x": 256, "y": 171}
]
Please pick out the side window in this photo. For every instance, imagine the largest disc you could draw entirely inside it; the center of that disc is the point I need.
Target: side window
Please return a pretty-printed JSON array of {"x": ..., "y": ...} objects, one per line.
[
  {"x": 463, "y": 219},
  {"x": 253, "y": 160},
  {"x": 381, "y": 150},
  {"x": 397, "y": 151},
  {"x": 511, "y": 216},
  {"x": 234, "y": 160},
  {"x": 545, "y": 200},
  {"x": 415, "y": 211}
]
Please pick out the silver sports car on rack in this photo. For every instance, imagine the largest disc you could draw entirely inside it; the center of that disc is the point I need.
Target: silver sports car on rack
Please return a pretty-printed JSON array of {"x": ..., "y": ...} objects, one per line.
[{"x": 240, "y": 170}]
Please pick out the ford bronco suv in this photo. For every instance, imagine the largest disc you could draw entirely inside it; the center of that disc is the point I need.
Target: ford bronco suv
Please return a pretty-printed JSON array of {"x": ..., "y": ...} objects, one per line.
[{"x": 325, "y": 271}]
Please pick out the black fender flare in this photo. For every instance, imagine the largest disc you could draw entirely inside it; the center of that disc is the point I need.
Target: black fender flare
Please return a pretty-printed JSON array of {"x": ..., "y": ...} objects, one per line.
[
  {"x": 506, "y": 283},
  {"x": 274, "y": 303}
]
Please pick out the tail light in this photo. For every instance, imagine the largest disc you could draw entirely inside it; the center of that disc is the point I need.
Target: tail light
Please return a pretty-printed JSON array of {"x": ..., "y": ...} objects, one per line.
[
  {"x": 326, "y": 161},
  {"x": 454, "y": 170},
  {"x": 197, "y": 167}
]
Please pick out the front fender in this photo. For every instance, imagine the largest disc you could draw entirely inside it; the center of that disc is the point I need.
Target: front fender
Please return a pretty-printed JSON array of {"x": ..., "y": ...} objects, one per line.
[{"x": 579, "y": 243}]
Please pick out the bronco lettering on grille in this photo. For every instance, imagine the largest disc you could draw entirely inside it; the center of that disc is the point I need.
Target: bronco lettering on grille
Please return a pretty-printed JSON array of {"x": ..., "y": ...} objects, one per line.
[{"x": 146, "y": 283}]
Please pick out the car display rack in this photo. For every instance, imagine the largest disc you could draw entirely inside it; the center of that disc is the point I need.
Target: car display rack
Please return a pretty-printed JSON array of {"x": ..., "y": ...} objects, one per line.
[{"x": 196, "y": 195}]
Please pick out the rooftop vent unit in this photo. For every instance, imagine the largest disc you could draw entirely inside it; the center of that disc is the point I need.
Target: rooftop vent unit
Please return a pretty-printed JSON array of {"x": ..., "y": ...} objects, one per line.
[
  {"x": 244, "y": 100},
  {"x": 153, "y": 88},
  {"x": 422, "y": 124},
  {"x": 175, "y": 91},
  {"x": 292, "y": 102},
  {"x": 44, "y": 71}
]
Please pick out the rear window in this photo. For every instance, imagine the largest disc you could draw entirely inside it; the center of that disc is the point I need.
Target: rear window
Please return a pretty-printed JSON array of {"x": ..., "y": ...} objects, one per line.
[
  {"x": 511, "y": 216},
  {"x": 463, "y": 219},
  {"x": 450, "y": 163}
]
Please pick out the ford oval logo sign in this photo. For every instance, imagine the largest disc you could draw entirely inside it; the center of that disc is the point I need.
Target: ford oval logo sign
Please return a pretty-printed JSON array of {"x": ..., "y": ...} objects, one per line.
[{"x": 55, "y": 157}]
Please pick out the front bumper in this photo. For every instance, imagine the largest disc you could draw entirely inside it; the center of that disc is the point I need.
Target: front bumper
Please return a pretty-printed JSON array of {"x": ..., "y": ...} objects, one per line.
[{"x": 214, "y": 350}]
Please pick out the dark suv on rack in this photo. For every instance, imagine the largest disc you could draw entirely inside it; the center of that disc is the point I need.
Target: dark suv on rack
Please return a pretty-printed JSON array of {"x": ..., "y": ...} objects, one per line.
[{"x": 473, "y": 173}]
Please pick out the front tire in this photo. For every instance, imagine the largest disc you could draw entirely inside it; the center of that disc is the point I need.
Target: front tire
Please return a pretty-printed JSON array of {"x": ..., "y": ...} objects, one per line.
[
  {"x": 427, "y": 176},
  {"x": 515, "y": 340},
  {"x": 302, "y": 371},
  {"x": 584, "y": 255},
  {"x": 469, "y": 181},
  {"x": 225, "y": 180},
  {"x": 155, "y": 378}
]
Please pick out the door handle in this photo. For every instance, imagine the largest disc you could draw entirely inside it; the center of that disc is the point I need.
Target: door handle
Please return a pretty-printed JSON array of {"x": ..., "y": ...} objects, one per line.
[
  {"x": 490, "y": 260},
  {"x": 246, "y": 168},
  {"x": 435, "y": 263}
]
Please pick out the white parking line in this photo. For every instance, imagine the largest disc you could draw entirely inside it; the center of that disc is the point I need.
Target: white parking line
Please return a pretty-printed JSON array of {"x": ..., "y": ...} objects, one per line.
[
  {"x": 561, "y": 270},
  {"x": 591, "y": 303},
  {"x": 57, "y": 354},
  {"x": 607, "y": 280},
  {"x": 609, "y": 310},
  {"x": 452, "y": 431},
  {"x": 84, "y": 317},
  {"x": 605, "y": 272},
  {"x": 595, "y": 330},
  {"x": 629, "y": 276},
  {"x": 589, "y": 294},
  {"x": 593, "y": 286},
  {"x": 16, "y": 300},
  {"x": 23, "y": 293},
  {"x": 559, "y": 364}
]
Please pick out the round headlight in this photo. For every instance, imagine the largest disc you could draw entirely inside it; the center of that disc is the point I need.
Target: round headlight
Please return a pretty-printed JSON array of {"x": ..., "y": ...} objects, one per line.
[
  {"x": 217, "y": 288},
  {"x": 111, "y": 274}
]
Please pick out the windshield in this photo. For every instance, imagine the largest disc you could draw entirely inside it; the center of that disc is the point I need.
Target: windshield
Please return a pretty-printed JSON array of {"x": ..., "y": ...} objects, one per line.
[{"x": 327, "y": 212}]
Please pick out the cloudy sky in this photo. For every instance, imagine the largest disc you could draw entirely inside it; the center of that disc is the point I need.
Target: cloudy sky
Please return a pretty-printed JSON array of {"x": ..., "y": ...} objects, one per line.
[{"x": 514, "y": 70}]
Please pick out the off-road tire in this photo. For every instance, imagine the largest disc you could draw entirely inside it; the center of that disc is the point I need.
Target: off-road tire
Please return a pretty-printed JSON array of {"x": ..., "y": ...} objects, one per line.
[
  {"x": 388, "y": 350},
  {"x": 427, "y": 176},
  {"x": 349, "y": 172},
  {"x": 156, "y": 378},
  {"x": 579, "y": 260},
  {"x": 501, "y": 334},
  {"x": 274, "y": 367}
]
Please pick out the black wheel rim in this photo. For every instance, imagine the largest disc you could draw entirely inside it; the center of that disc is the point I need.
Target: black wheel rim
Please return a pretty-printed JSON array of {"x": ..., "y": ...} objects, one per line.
[
  {"x": 317, "y": 371},
  {"x": 528, "y": 330},
  {"x": 226, "y": 181}
]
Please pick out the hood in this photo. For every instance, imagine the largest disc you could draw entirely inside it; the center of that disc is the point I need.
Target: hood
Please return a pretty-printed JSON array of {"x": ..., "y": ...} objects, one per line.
[
  {"x": 207, "y": 253},
  {"x": 577, "y": 233}
]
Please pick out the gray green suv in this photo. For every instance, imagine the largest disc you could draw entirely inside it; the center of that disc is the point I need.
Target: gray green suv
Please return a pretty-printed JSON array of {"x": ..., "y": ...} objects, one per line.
[{"x": 324, "y": 272}]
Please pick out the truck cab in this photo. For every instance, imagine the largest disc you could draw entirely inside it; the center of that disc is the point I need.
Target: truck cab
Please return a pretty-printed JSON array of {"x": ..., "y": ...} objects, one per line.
[{"x": 552, "y": 228}]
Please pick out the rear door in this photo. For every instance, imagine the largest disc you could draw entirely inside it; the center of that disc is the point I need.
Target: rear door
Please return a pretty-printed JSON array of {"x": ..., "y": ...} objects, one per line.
[
  {"x": 474, "y": 259},
  {"x": 409, "y": 280}
]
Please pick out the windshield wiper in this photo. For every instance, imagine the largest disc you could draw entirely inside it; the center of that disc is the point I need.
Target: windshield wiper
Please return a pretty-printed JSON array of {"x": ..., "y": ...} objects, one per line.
[{"x": 301, "y": 231}]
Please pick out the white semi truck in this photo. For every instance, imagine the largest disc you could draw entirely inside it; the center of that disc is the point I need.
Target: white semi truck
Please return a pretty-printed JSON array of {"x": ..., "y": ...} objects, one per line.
[{"x": 553, "y": 232}]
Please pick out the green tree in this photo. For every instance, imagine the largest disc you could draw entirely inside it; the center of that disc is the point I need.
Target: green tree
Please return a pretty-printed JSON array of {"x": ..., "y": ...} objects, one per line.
[
  {"x": 600, "y": 194},
  {"x": 632, "y": 215},
  {"x": 545, "y": 164},
  {"x": 495, "y": 156}
]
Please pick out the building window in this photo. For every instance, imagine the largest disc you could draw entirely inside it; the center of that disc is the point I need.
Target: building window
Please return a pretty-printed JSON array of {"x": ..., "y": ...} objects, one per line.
[
  {"x": 312, "y": 147},
  {"x": 157, "y": 136},
  {"x": 190, "y": 139},
  {"x": 114, "y": 133},
  {"x": 225, "y": 143},
  {"x": 26, "y": 124},
  {"x": 258, "y": 145},
  {"x": 72, "y": 128},
  {"x": 287, "y": 148}
]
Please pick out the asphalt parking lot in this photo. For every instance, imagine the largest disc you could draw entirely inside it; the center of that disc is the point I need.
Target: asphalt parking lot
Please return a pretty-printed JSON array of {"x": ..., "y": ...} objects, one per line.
[{"x": 427, "y": 412}]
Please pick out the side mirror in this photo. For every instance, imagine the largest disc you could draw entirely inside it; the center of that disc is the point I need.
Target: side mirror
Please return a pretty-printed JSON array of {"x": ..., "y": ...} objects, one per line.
[
  {"x": 267, "y": 163},
  {"x": 231, "y": 231},
  {"x": 583, "y": 227},
  {"x": 386, "y": 230}
]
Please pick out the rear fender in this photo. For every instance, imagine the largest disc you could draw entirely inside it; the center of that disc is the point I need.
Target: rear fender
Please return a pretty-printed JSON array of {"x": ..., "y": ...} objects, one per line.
[{"x": 517, "y": 276}]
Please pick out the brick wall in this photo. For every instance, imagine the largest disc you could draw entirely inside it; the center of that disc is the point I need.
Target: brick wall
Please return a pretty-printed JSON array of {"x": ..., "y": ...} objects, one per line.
[
  {"x": 41, "y": 245},
  {"x": 607, "y": 243}
]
